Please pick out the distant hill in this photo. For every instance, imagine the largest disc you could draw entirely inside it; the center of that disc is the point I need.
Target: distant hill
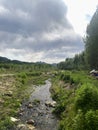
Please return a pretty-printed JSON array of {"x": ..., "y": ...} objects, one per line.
[{"x": 4, "y": 59}]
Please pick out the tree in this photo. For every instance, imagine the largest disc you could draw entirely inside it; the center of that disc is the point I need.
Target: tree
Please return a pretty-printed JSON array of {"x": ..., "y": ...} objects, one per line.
[
  {"x": 92, "y": 42},
  {"x": 77, "y": 62}
]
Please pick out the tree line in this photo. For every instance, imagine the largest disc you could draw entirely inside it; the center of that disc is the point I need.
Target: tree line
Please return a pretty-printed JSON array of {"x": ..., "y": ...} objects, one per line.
[{"x": 88, "y": 59}]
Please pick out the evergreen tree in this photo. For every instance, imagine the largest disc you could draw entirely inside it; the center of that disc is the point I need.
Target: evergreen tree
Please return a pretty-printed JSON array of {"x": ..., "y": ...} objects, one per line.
[{"x": 92, "y": 42}]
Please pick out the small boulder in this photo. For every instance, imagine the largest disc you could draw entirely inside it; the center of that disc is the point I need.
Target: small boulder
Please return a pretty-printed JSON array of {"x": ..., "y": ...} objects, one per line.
[
  {"x": 21, "y": 114},
  {"x": 21, "y": 126},
  {"x": 21, "y": 110},
  {"x": 30, "y": 105},
  {"x": 30, "y": 121},
  {"x": 30, "y": 127},
  {"x": 50, "y": 103},
  {"x": 14, "y": 119},
  {"x": 25, "y": 127}
]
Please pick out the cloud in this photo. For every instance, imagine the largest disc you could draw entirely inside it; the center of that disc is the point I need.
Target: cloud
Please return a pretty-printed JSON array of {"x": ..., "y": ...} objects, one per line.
[{"x": 37, "y": 30}]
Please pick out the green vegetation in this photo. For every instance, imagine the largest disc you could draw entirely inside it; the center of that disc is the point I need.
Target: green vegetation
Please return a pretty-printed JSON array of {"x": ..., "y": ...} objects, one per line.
[
  {"x": 6, "y": 124},
  {"x": 92, "y": 42},
  {"x": 15, "y": 86},
  {"x": 76, "y": 94},
  {"x": 86, "y": 95},
  {"x": 77, "y": 63},
  {"x": 75, "y": 91}
]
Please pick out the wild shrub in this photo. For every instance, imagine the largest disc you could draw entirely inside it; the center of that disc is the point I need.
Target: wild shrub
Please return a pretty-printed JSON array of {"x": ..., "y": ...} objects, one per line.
[
  {"x": 23, "y": 77},
  {"x": 86, "y": 98},
  {"x": 66, "y": 78},
  {"x": 60, "y": 107},
  {"x": 87, "y": 121},
  {"x": 6, "y": 124}
]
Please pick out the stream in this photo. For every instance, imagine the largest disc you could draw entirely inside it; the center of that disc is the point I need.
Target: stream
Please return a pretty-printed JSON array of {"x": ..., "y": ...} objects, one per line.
[{"x": 38, "y": 110}]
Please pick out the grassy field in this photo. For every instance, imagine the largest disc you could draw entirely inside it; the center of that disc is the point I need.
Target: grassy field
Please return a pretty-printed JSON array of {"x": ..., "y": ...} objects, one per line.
[{"x": 76, "y": 94}]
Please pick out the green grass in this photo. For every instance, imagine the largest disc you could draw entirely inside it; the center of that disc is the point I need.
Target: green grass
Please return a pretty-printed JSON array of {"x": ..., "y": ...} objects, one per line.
[{"x": 74, "y": 91}]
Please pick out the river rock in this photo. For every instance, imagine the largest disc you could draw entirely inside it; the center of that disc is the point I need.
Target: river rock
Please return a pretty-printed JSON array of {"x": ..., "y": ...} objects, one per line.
[
  {"x": 30, "y": 127},
  {"x": 21, "y": 109},
  {"x": 50, "y": 103},
  {"x": 30, "y": 121},
  {"x": 21, "y": 114},
  {"x": 22, "y": 127},
  {"x": 14, "y": 119},
  {"x": 25, "y": 127},
  {"x": 30, "y": 105}
]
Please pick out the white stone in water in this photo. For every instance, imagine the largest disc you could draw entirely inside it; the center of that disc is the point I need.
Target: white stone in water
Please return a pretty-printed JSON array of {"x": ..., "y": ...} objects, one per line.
[
  {"x": 53, "y": 103},
  {"x": 30, "y": 127},
  {"x": 25, "y": 127},
  {"x": 14, "y": 119},
  {"x": 30, "y": 122},
  {"x": 21, "y": 110},
  {"x": 50, "y": 103},
  {"x": 21, "y": 114},
  {"x": 21, "y": 126},
  {"x": 30, "y": 106}
]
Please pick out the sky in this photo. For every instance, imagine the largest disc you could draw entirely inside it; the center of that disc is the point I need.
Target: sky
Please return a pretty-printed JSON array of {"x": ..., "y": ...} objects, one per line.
[{"x": 44, "y": 30}]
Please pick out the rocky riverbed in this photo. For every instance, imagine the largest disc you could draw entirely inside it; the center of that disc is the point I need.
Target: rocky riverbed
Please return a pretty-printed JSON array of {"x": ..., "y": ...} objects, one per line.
[{"x": 36, "y": 113}]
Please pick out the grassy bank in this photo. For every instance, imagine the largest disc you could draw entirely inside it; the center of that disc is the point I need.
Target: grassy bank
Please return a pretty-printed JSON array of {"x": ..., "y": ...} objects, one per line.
[
  {"x": 76, "y": 94},
  {"x": 13, "y": 90}
]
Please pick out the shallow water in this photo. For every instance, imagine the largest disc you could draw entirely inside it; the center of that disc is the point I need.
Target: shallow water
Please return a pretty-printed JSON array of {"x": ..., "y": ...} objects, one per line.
[
  {"x": 40, "y": 112},
  {"x": 42, "y": 92}
]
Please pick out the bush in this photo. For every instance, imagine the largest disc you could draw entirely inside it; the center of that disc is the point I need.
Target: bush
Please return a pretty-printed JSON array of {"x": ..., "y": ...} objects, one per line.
[
  {"x": 60, "y": 108},
  {"x": 87, "y": 121},
  {"x": 79, "y": 121},
  {"x": 22, "y": 75},
  {"x": 77, "y": 107},
  {"x": 66, "y": 78},
  {"x": 86, "y": 98},
  {"x": 6, "y": 124},
  {"x": 91, "y": 119}
]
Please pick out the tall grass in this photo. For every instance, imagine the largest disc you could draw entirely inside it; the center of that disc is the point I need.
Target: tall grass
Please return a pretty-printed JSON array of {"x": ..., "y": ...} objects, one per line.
[{"x": 76, "y": 91}]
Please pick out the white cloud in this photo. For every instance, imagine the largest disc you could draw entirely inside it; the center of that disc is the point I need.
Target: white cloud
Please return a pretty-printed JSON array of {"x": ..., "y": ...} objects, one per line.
[
  {"x": 78, "y": 11},
  {"x": 37, "y": 31},
  {"x": 3, "y": 10}
]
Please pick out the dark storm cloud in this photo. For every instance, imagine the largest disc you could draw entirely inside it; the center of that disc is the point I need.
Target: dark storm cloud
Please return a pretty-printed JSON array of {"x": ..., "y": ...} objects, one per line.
[
  {"x": 37, "y": 26},
  {"x": 33, "y": 16}
]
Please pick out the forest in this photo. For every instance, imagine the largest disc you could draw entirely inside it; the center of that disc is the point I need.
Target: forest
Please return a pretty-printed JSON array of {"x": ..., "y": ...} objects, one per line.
[{"x": 73, "y": 88}]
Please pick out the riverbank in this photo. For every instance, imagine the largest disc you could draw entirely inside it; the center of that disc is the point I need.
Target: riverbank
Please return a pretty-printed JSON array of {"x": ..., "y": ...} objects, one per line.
[
  {"x": 76, "y": 94},
  {"x": 14, "y": 90}
]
